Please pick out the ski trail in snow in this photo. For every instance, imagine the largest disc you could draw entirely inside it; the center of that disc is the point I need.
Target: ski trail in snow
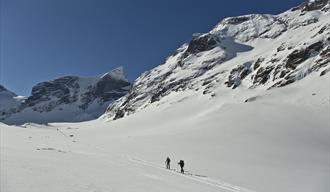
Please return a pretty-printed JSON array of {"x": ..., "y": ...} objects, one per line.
[
  {"x": 194, "y": 177},
  {"x": 198, "y": 178},
  {"x": 60, "y": 131}
]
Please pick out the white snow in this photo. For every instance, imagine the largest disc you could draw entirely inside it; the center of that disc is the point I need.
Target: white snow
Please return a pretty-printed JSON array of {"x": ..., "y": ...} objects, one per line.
[
  {"x": 117, "y": 74},
  {"x": 256, "y": 25},
  {"x": 278, "y": 141}
]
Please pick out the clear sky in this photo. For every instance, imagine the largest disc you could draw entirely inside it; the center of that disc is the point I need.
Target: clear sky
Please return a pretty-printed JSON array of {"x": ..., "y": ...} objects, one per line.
[{"x": 45, "y": 39}]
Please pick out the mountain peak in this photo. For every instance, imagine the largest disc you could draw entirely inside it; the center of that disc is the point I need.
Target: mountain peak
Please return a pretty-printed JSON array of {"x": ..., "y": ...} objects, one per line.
[
  {"x": 255, "y": 51},
  {"x": 68, "y": 98},
  {"x": 117, "y": 74},
  {"x": 5, "y": 90},
  {"x": 311, "y": 5}
]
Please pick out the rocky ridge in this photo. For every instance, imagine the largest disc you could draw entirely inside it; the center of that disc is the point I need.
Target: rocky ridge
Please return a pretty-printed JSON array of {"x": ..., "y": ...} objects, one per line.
[
  {"x": 85, "y": 98},
  {"x": 258, "y": 51}
]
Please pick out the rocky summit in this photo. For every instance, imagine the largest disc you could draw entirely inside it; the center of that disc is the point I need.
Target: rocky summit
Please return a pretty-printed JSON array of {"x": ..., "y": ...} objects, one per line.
[{"x": 69, "y": 98}]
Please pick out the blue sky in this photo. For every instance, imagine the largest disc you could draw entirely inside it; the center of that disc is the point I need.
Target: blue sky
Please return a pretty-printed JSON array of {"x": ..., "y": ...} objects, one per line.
[{"x": 45, "y": 39}]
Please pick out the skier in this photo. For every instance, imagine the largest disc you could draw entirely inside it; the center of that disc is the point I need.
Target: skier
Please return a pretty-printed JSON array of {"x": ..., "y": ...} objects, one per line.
[
  {"x": 181, "y": 163},
  {"x": 167, "y": 162}
]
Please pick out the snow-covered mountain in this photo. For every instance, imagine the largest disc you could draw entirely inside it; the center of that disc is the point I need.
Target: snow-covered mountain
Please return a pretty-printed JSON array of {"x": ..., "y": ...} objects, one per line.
[
  {"x": 9, "y": 101},
  {"x": 66, "y": 99},
  {"x": 246, "y": 106},
  {"x": 257, "y": 51}
]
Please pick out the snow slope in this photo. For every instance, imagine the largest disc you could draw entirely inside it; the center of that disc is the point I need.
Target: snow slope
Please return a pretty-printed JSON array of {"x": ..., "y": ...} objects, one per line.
[{"x": 275, "y": 141}]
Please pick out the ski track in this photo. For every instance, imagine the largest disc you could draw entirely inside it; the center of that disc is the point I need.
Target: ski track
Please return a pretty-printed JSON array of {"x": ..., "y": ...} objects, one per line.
[
  {"x": 191, "y": 176},
  {"x": 195, "y": 177}
]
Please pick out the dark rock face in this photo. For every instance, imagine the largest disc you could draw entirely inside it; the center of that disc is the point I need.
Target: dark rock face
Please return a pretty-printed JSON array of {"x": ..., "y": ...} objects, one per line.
[
  {"x": 164, "y": 89},
  {"x": 238, "y": 74},
  {"x": 108, "y": 88},
  {"x": 59, "y": 88},
  {"x": 288, "y": 73},
  {"x": 2, "y": 88},
  {"x": 323, "y": 60},
  {"x": 299, "y": 56},
  {"x": 66, "y": 90},
  {"x": 323, "y": 29},
  {"x": 296, "y": 57},
  {"x": 119, "y": 114},
  {"x": 315, "y": 5},
  {"x": 237, "y": 20},
  {"x": 325, "y": 72},
  {"x": 262, "y": 75},
  {"x": 291, "y": 78},
  {"x": 280, "y": 71},
  {"x": 200, "y": 44},
  {"x": 257, "y": 63}
]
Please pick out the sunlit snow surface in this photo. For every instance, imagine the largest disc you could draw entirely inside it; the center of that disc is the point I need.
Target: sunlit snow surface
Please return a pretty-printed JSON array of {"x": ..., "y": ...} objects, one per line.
[{"x": 277, "y": 141}]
